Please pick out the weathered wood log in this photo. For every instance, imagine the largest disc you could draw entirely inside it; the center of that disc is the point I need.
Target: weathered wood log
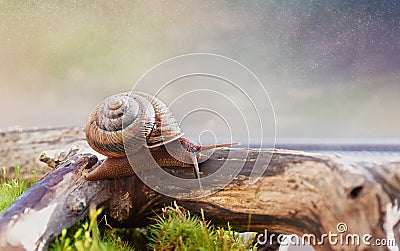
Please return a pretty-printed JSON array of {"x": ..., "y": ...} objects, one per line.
[
  {"x": 23, "y": 146},
  {"x": 55, "y": 202},
  {"x": 299, "y": 194}
]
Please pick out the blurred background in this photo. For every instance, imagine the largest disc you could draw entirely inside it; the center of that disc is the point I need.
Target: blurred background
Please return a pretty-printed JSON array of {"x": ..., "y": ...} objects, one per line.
[{"x": 331, "y": 68}]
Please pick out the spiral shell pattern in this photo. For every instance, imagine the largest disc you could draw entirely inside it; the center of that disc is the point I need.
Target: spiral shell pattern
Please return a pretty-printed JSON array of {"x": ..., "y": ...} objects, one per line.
[{"x": 129, "y": 121}]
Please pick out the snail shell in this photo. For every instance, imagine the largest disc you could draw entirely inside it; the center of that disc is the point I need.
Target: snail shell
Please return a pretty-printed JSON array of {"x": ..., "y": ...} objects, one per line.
[{"x": 130, "y": 120}]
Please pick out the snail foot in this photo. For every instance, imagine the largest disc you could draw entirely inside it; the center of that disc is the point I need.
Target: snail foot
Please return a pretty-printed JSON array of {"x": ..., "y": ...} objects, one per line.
[{"x": 111, "y": 168}]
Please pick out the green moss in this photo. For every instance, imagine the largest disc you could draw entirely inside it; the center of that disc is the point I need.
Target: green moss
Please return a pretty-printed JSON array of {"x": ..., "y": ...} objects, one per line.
[
  {"x": 11, "y": 188},
  {"x": 177, "y": 229}
]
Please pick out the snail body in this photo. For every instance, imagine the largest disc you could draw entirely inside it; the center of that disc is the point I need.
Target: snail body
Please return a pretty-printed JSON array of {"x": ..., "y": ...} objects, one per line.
[{"x": 132, "y": 123}]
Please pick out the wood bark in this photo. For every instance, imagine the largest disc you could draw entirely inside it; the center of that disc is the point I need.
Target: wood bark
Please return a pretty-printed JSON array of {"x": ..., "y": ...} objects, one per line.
[{"x": 299, "y": 193}]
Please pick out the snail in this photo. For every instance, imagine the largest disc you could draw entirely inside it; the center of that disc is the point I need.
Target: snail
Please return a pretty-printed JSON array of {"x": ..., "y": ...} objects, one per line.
[{"x": 146, "y": 124}]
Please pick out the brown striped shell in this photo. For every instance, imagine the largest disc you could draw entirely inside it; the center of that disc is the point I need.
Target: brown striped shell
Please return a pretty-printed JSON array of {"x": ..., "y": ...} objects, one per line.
[{"x": 130, "y": 120}]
